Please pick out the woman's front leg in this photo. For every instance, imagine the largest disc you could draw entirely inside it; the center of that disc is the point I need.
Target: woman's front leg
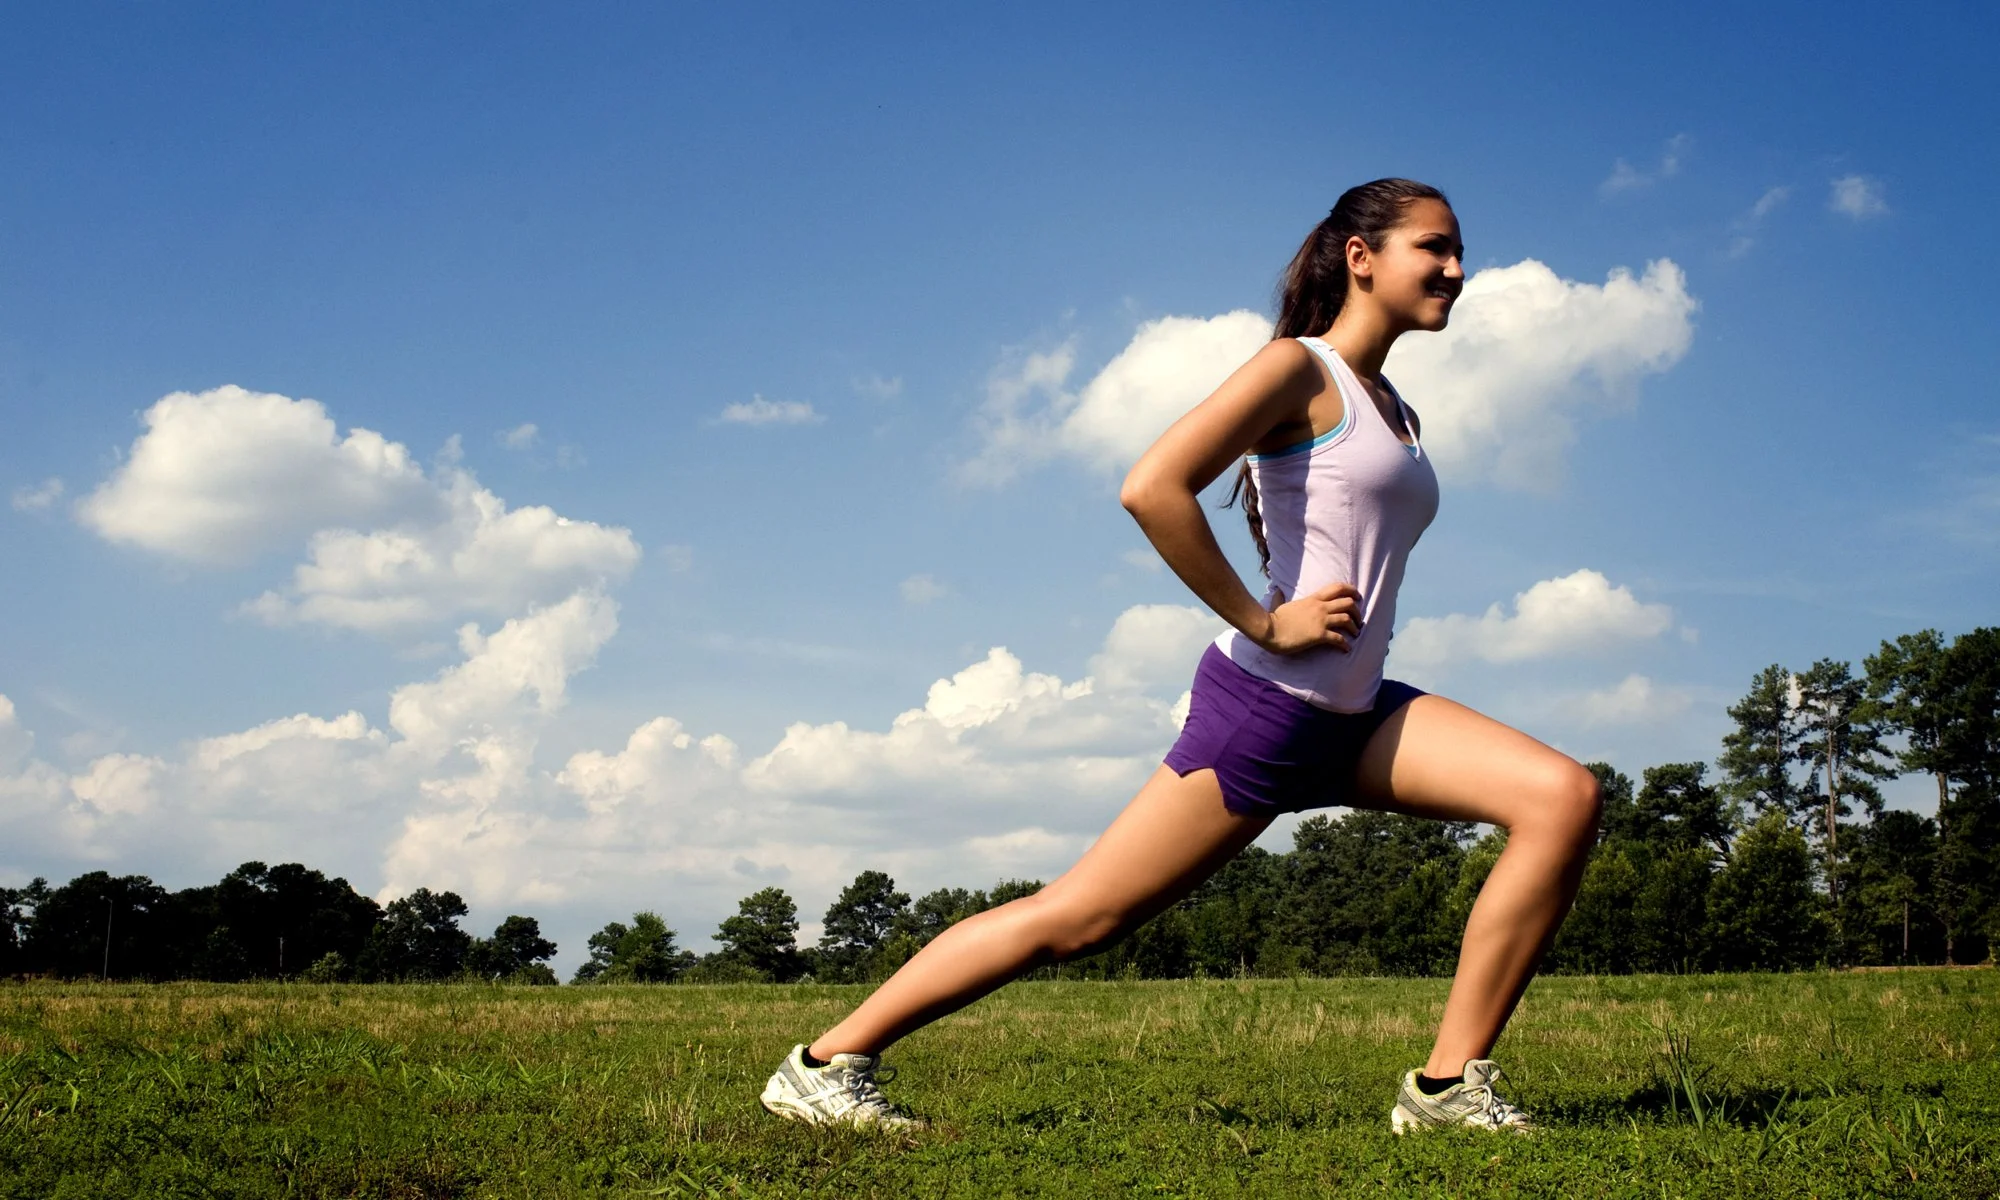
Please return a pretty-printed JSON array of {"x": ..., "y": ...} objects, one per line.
[
  {"x": 1439, "y": 759},
  {"x": 1175, "y": 833}
]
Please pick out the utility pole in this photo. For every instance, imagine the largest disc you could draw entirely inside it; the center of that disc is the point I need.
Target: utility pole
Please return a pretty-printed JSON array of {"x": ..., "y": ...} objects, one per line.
[
  {"x": 107, "y": 939},
  {"x": 281, "y": 956}
]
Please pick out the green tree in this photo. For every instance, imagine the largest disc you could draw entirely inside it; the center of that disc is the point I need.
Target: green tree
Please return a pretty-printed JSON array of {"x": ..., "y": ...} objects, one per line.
[
  {"x": 17, "y": 913},
  {"x": 642, "y": 952},
  {"x": 418, "y": 938},
  {"x": 1757, "y": 756},
  {"x": 1600, "y": 934},
  {"x": 67, "y": 936},
  {"x": 857, "y": 926},
  {"x": 1843, "y": 748},
  {"x": 1889, "y": 880},
  {"x": 516, "y": 953},
  {"x": 763, "y": 935},
  {"x": 1762, "y": 912},
  {"x": 1671, "y": 909},
  {"x": 935, "y": 912},
  {"x": 1944, "y": 700},
  {"x": 1009, "y": 890},
  {"x": 1677, "y": 808}
]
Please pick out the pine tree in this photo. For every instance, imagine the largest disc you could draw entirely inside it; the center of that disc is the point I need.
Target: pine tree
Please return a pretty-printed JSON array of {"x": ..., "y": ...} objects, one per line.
[
  {"x": 1757, "y": 756},
  {"x": 1844, "y": 750}
]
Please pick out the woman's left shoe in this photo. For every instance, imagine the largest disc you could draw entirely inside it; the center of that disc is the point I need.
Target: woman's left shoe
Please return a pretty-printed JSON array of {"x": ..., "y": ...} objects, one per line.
[
  {"x": 1471, "y": 1102},
  {"x": 843, "y": 1092}
]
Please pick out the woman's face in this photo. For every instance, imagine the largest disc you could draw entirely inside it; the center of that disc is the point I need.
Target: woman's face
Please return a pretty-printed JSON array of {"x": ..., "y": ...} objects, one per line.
[{"x": 1417, "y": 274}]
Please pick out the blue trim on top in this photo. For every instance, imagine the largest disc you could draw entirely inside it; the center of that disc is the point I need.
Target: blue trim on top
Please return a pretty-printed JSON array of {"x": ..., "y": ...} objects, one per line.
[{"x": 1304, "y": 447}]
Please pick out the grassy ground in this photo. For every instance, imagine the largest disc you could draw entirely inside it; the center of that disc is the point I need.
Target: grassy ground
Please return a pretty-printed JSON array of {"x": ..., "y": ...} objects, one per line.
[{"x": 1807, "y": 1085}]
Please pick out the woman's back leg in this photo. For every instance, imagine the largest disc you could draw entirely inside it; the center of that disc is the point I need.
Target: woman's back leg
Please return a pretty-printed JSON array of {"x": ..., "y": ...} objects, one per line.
[{"x": 1174, "y": 834}]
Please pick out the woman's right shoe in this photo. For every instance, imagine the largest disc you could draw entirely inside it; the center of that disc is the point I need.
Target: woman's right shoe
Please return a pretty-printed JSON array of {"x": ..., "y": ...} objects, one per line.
[
  {"x": 843, "y": 1092},
  {"x": 1471, "y": 1102}
]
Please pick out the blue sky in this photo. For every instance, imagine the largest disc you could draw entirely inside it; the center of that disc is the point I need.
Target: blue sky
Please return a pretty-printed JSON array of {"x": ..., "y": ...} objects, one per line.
[{"x": 887, "y": 234}]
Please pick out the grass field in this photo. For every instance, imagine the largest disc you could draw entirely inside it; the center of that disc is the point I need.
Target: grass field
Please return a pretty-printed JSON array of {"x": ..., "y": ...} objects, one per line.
[{"x": 1804, "y": 1085}]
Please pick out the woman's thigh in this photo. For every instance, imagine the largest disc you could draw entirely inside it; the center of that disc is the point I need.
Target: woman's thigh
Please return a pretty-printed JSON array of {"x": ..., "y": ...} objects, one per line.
[
  {"x": 1437, "y": 758},
  {"x": 1175, "y": 833}
]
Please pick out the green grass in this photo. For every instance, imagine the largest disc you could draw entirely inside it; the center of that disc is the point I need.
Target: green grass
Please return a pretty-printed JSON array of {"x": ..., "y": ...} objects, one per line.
[{"x": 1804, "y": 1085}]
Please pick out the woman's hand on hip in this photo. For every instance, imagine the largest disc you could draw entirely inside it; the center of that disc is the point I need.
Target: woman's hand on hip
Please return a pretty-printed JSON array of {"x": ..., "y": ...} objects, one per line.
[{"x": 1330, "y": 616}]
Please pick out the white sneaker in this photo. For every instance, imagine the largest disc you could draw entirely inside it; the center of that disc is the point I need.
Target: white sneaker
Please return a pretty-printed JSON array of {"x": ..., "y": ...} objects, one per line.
[
  {"x": 842, "y": 1092},
  {"x": 1472, "y": 1102}
]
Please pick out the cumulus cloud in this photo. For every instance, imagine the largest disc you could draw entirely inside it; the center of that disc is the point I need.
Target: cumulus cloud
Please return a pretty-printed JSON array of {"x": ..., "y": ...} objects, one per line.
[
  {"x": 521, "y": 437},
  {"x": 221, "y": 475},
  {"x": 1857, "y": 196},
  {"x": 479, "y": 556},
  {"x": 37, "y": 497},
  {"x": 1577, "y": 614},
  {"x": 1527, "y": 354},
  {"x": 1031, "y": 415},
  {"x": 759, "y": 411}
]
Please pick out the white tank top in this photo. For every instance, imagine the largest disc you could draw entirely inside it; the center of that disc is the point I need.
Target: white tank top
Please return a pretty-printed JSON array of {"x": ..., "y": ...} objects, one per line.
[{"x": 1345, "y": 507}]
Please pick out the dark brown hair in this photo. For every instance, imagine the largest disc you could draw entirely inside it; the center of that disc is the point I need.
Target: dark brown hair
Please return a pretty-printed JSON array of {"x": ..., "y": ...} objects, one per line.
[{"x": 1314, "y": 286}]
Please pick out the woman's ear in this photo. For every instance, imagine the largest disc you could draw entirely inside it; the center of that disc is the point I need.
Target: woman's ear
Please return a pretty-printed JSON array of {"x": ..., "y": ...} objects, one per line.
[{"x": 1359, "y": 260}]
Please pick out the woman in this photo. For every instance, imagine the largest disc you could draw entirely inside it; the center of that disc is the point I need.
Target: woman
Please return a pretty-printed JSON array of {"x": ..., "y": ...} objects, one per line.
[{"x": 1290, "y": 709}]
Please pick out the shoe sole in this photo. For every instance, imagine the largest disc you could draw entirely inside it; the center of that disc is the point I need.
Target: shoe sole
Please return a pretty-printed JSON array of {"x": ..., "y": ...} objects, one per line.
[{"x": 1401, "y": 1120}]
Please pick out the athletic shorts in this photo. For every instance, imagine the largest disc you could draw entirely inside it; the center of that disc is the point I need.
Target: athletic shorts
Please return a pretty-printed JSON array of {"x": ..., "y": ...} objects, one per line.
[{"x": 1271, "y": 751}]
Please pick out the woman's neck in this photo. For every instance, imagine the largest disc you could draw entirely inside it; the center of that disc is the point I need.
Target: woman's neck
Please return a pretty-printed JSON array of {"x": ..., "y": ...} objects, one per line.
[{"x": 1362, "y": 334}]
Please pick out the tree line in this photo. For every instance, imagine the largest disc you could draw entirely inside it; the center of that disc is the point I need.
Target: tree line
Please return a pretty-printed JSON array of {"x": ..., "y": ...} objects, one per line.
[{"x": 1783, "y": 858}]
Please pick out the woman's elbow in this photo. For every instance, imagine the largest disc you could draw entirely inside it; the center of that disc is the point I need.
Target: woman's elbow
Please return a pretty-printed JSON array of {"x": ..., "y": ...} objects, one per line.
[{"x": 1141, "y": 491}]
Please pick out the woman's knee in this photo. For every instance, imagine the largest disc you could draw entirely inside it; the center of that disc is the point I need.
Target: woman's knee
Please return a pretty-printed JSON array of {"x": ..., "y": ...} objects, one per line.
[{"x": 1565, "y": 804}]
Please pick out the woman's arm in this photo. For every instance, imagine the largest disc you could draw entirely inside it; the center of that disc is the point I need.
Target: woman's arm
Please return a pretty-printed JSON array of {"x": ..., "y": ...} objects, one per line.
[{"x": 1275, "y": 387}]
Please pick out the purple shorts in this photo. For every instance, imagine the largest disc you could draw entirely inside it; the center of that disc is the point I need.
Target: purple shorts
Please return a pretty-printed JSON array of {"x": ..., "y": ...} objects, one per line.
[{"x": 1271, "y": 751}]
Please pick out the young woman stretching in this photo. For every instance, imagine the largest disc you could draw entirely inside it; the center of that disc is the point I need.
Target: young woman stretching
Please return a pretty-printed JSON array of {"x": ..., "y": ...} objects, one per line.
[{"x": 1290, "y": 710}]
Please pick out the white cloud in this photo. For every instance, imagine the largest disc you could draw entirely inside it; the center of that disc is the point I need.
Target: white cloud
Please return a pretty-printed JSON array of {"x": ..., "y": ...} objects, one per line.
[
  {"x": 1857, "y": 196},
  {"x": 521, "y": 437},
  {"x": 1526, "y": 354},
  {"x": 922, "y": 589},
  {"x": 1154, "y": 646},
  {"x": 1498, "y": 391},
  {"x": 16, "y": 743},
  {"x": 1626, "y": 178},
  {"x": 38, "y": 497},
  {"x": 1577, "y": 614},
  {"x": 481, "y": 557},
  {"x": 221, "y": 475},
  {"x": 1634, "y": 700},
  {"x": 534, "y": 654},
  {"x": 1168, "y": 367},
  {"x": 759, "y": 411}
]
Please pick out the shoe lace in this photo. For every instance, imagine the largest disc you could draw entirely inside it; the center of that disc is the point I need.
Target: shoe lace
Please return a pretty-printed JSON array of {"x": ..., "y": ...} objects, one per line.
[
  {"x": 1495, "y": 1110},
  {"x": 861, "y": 1084}
]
